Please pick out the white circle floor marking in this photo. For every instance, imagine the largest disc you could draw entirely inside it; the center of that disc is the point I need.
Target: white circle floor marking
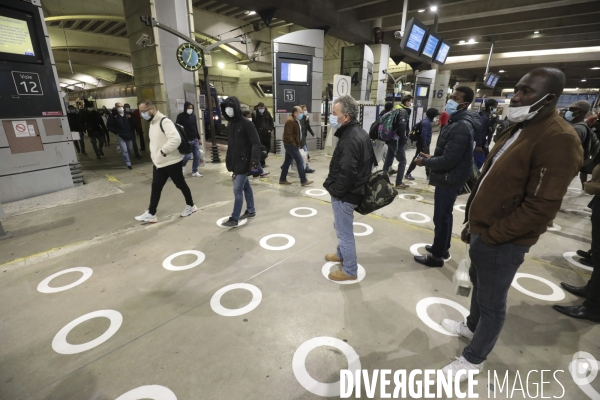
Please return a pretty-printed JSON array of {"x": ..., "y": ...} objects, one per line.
[
  {"x": 368, "y": 228},
  {"x": 405, "y": 216},
  {"x": 316, "y": 192},
  {"x": 360, "y": 273},
  {"x": 290, "y": 243},
  {"x": 557, "y": 293},
  {"x": 414, "y": 249},
  {"x": 569, "y": 257},
  {"x": 61, "y": 346},
  {"x": 410, "y": 196},
  {"x": 410, "y": 183},
  {"x": 294, "y": 212},
  {"x": 554, "y": 228},
  {"x": 154, "y": 392},
  {"x": 460, "y": 207},
  {"x": 307, "y": 381},
  {"x": 215, "y": 301},
  {"x": 574, "y": 211},
  {"x": 426, "y": 302},
  {"x": 44, "y": 287},
  {"x": 167, "y": 264},
  {"x": 584, "y": 382},
  {"x": 240, "y": 222}
]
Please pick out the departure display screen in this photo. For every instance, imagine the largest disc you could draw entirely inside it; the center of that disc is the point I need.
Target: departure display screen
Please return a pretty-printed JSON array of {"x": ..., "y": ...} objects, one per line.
[
  {"x": 430, "y": 46},
  {"x": 292, "y": 72},
  {"x": 415, "y": 38},
  {"x": 15, "y": 37},
  {"x": 442, "y": 53},
  {"x": 422, "y": 91}
]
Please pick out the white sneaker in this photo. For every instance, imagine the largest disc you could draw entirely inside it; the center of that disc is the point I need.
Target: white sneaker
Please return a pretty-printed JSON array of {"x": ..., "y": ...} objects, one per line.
[
  {"x": 189, "y": 210},
  {"x": 183, "y": 169},
  {"x": 461, "y": 364},
  {"x": 197, "y": 175},
  {"x": 147, "y": 217},
  {"x": 458, "y": 328}
]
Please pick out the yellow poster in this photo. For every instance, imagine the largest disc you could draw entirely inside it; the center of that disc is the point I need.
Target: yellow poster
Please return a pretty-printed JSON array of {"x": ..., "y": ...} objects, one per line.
[{"x": 14, "y": 37}]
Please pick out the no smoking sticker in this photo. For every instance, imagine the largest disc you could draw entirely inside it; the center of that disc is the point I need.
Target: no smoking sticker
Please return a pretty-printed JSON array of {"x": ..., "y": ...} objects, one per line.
[{"x": 20, "y": 128}]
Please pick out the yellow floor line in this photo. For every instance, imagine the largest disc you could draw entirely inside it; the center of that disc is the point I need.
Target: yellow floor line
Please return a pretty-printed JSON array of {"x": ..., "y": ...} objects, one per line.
[{"x": 111, "y": 178}]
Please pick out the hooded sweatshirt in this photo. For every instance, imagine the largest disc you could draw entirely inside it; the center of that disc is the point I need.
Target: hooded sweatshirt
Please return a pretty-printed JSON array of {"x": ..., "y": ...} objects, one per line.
[
  {"x": 189, "y": 122},
  {"x": 243, "y": 150}
]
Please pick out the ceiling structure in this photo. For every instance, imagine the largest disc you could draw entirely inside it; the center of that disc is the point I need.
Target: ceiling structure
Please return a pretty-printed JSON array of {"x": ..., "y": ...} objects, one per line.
[{"x": 95, "y": 31}]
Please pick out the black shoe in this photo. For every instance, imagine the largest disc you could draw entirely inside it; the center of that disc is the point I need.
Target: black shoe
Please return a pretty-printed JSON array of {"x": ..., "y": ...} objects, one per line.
[
  {"x": 579, "y": 312},
  {"x": 247, "y": 215},
  {"x": 230, "y": 222},
  {"x": 98, "y": 157},
  {"x": 84, "y": 153},
  {"x": 129, "y": 167},
  {"x": 587, "y": 262},
  {"x": 392, "y": 172},
  {"x": 430, "y": 261},
  {"x": 310, "y": 171},
  {"x": 576, "y": 290},
  {"x": 101, "y": 153},
  {"x": 138, "y": 157},
  {"x": 584, "y": 254},
  {"x": 446, "y": 256}
]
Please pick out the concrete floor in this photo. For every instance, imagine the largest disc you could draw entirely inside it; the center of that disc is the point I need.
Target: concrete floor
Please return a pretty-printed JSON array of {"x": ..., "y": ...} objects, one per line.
[{"x": 171, "y": 336}]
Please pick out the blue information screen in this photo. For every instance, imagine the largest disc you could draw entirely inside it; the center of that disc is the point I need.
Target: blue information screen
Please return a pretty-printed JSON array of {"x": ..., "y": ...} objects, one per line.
[
  {"x": 442, "y": 53},
  {"x": 430, "y": 46},
  {"x": 417, "y": 34},
  {"x": 291, "y": 72}
]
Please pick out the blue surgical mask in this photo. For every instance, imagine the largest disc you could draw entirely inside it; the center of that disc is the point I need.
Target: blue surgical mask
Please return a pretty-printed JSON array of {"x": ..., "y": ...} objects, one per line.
[
  {"x": 569, "y": 116},
  {"x": 300, "y": 116},
  {"x": 333, "y": 121},
  {"x": 493, "y": 110},
  {"x": 146, "y": 116},
  {"x": 451, "y": 107}
]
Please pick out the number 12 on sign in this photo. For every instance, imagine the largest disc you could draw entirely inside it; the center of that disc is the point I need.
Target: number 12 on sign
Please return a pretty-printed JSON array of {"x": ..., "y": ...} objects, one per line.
[{"x": 27, "y": 83}]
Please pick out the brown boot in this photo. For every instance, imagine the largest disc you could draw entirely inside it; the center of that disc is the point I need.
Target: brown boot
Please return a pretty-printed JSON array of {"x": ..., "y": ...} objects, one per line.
[
  {"x": 332, "y": 258},
  {"x": 340, "y": 276},
  {"x": 403, "y": 186},
  {"x": 307, "y": 183},
  {"x": 285, "y": 183}
]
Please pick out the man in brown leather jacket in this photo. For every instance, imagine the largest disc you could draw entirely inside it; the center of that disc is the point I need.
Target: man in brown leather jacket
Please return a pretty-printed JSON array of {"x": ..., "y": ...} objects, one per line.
[{"x": 520, "y": 190}]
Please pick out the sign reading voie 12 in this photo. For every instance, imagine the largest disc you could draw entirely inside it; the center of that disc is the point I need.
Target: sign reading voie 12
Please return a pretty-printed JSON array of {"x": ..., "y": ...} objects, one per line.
[{"x": 27, "y": 83}]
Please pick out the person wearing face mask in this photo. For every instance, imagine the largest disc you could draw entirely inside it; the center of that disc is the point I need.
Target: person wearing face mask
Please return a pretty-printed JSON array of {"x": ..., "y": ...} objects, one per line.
[
  {"x": 164, "y": 144},
  {"x": 188, "y": 120},
  {"x": 397, "y": 147},
  {"x": 137, "y": 119},
  {"x": 242, "y": 159},
  {"x": 451, "y": 165},
  {"x": 291, "y": 142},
  {"x": 263, "y": 121},
  {"x": 483, "y": 137},
  {"x": 349, "y": 171},
  {"x": 104, "y": 114},
  {"x": 76, "y": 125},
  {"x": 129, "y": 113},
  {"x": 575, "y": 115},
  {"x": 94, "y": 125},
  {"x": 263, "y": 150},
  {"x": 305, "y": 128},
  {"x": 122, "y": 125},
  {"x": 520, "y": 189}
]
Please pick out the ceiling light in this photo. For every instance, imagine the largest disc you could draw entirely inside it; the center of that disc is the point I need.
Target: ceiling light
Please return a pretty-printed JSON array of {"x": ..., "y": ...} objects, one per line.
[
  {"x": 596, "y": 68},
  {"x": 471, "y": 40},
  {"x": 502, "y": 71},
  {"x": 421, "y": 11},
  {"x": 433, "y": 8},
  {"x": 536, "y": 32},
  {"x": 583, "y": 80},
  {"x": 461, "y": 42},
  {"x": 252, "y": 13},
  {"x": 221, "y": 65}
]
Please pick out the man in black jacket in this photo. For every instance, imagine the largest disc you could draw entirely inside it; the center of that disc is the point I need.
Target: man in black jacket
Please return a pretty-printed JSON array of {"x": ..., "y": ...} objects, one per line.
[
  {"x": 397, "y": 147},
  {"x": 349, "y": 171},
  {"x": 123, "y": 126},
  {"x": 76, "y": 125},
  {"x": 243, "y": 157},
  {"x": 451, "y": 165},
  {"x": 188, "y": 120},
  {"x": 483, "y": 137},
  {"x": 94, "y": 125},
  {"x": 263, "y": 121}
]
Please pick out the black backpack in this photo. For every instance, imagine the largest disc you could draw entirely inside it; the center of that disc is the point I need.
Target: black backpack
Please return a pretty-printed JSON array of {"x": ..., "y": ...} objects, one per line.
[
  {"x": 184, "y": 147},
  {"x": 415, "y": 134},
  {"x": 374, "y": 130}
]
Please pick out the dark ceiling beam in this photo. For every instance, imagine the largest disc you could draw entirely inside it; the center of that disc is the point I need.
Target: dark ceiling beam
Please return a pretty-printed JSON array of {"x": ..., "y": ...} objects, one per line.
[
  {"x": 227, "y": 10},
  {"x": 101, "y": 26},
  {"x": 216, "y": 8},
  {"x": 88, "y": 25},
  {"x": 75, "y": 24},
  {"x": 116, "y": 25},
  {"x": 556, "y": 32},
  {"x": 345, "y": 5}
]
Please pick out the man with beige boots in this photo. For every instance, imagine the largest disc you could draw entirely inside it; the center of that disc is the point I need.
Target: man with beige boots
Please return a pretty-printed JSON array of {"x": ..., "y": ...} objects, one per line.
[{"x": 349, "y": 171}]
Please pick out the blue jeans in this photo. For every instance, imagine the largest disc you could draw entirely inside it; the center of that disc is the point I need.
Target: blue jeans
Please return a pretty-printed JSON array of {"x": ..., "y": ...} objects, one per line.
[
  {"x": 306, "y": 150},
  {"x": 343, "y": 217},
  {"x": 196, "y": 152},
  {"x": 241, "y": 189},
  {"x": 126, "y": 148},
  {"x": 292, "y": 153},
  {"x": 492, "y": 271},
  {"x": 400, "y": 155},
  {"x": 443, "y": 204}
]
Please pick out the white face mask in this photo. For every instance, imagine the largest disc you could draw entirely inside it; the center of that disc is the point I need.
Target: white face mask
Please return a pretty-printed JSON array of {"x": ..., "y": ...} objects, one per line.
[
  {"x": 120, "y": 110},
  {"x": 249, "y": 119},
  {"x": 305, "y": 112},
  {"x": 520, "y": 114},
  {"x": 229, "y": 112},
  {"x": 261, "y": 110},
  {"x": 190, "y": 111}
]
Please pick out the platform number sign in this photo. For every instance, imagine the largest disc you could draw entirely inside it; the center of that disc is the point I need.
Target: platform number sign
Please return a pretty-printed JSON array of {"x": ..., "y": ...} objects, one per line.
[
  {"x": 289, "y": 95},
  {"x": 27, "y": 83}
]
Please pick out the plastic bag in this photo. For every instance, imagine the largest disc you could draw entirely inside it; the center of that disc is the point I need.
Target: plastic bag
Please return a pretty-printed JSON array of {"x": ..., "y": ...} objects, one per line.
[
  {"x": 118, "y": 149},
  {"x": 304, "y": 155},
  {"x": 460, "y": 279},
  {"x": 202, "y": 159}
]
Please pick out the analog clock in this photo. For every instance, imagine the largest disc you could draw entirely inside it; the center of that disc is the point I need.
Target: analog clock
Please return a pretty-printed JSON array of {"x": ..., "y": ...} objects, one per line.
[{"x": 189, "y": 57}]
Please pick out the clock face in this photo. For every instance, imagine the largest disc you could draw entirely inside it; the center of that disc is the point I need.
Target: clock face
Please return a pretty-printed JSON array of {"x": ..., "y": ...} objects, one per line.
[{"x": 189, "y": 57}]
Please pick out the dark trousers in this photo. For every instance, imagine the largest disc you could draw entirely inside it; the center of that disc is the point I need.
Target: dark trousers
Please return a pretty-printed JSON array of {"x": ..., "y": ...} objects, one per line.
[
  {"x": 142, "y": 141},
  {"x": 292, "y": 153},
  {"x": 420, "y": 149},
  {"x": 159, "y": 179},
  {"x": 107, "y": 137},
  {"x": 443, "y": 205},
  {"x": 80, "y": 144},
  {"x": 135, "y": 148},
  {"x": 399, "y": 152},
  {"x": 492, "y": 271},
  {"x": 592, "y": 300},
  {"x": 97, "y": 141}
]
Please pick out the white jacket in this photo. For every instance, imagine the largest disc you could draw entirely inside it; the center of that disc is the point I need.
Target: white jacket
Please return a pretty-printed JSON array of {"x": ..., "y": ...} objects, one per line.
[{"x": 168, "y": 142}]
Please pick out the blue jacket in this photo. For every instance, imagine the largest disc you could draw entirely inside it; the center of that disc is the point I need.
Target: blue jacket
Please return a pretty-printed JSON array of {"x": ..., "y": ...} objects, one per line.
[
  {"x": 123, "y": 126},
  {"x": 452, "y": 162},
  {"x": 426, "y": 132}
]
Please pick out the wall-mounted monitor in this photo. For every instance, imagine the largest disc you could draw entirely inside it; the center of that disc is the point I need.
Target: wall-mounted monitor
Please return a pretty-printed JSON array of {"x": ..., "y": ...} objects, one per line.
[
  {"x": 422, "y": 91},
  {"x": 490, "y": 80},
  {"x": 292, "y": 72},
  {"x": 432, "y": 43},
  {"x": 414, "y": 37},
  {"x": 442, "y": 53},
  {"x": 18, "y": 37}
]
